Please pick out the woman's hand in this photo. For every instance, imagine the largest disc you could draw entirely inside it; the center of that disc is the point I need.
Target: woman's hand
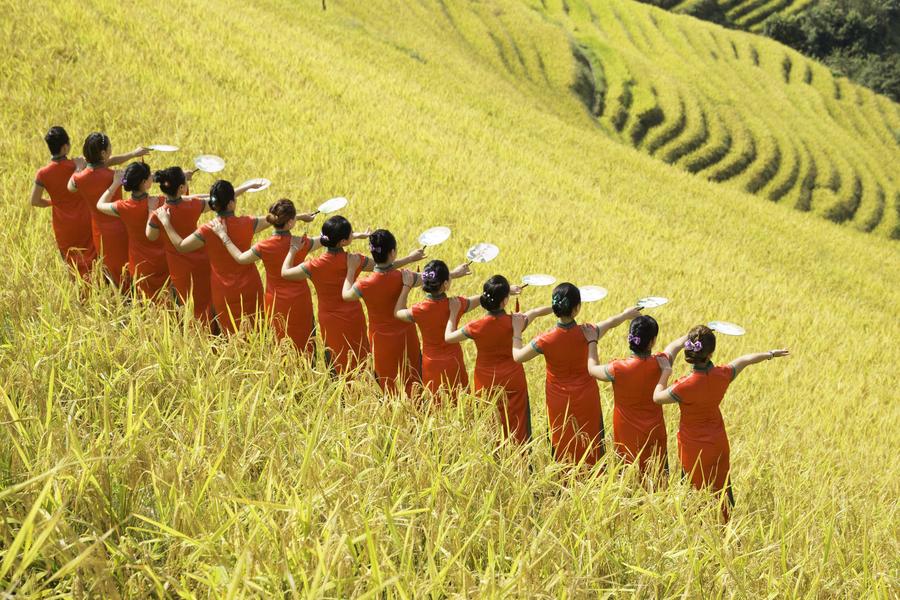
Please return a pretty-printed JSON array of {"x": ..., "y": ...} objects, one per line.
[
  {"x": 779, "y": 353},
  {"x": 118, "y": 178},
  {"x": 590, "y": 333},
  {"x": 361, "y": 235},
  {"x": 80, "y": 163},
  {"x": 632, "y": 313},
  {"x": 408, "y": 278},
  {"x": 417, "y": 255},
  {"x": 353, "y": 262},
  {"x": 460, "y": 271},
  {"x": 219, "y": 228},
  {"x": 162, "y": 213},
  {"x": 515, "y": 290},
  {"x": 664, "y": 363},
  {"x": 189, "y": 174},
  {"x": 306, "y": 217},
  {"x": 454, "y": 308},
  {"x": 519, "y": 321}
]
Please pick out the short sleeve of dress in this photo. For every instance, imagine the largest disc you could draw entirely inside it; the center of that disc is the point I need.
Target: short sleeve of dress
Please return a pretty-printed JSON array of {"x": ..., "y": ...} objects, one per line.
[
  {"x": 203, "y": 231},
  {"x": 677, "y": 389},
  {"x": 610, "y": 370},
  {"x": 539, "y": 343},
  {"x": 473, "y": 329}
]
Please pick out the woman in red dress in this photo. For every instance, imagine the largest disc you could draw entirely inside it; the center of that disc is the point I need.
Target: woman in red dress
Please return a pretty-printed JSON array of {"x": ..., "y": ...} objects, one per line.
[
  {"x": 288, "y": 303},
  {"x": 236, "y": 289},
  {"x": 702, "y": 441},
  {"x": 343, "y": 323},
  {"x": 496, "y": 372},
  {"x": 146, "y": 258},
  {"x": 109, "y": 233},
  {"x": 188, "y": 271},
  {"x": 573, "y": 398},
  {"x": 70, "y": 215},
  {"x": 394, "y": 343},
  {"x": 639, "y": 431},
  {"x": 443, "y": 366}
]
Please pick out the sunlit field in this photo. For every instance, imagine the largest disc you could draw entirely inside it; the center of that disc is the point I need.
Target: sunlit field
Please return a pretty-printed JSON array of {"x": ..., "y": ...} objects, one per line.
[{"x": 141, "y": 457}]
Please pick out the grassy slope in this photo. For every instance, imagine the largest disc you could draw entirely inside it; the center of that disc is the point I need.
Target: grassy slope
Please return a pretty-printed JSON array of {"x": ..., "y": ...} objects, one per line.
[{"x": 238, "y": 468}]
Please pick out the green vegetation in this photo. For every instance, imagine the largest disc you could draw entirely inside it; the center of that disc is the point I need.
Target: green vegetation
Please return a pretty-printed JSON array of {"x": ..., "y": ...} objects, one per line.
[{"x": 140, "y": 458}]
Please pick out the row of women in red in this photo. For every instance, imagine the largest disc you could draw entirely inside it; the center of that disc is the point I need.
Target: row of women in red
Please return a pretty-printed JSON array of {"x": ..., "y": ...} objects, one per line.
[{"x": 77, "y": 227}]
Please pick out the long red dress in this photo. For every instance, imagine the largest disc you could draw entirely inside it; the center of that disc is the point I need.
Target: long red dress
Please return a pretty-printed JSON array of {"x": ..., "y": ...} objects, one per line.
[
  {"x": 573, "y": 398},
  {"x": 343, "y": 323},
  {"x": 109, "y": 233},
  {"x": 288, "y": 303},
  {"x": 189, "y": 272},
  {"x": 639, "y": 431},
  {"x": 146, "y": 259},
  {"x": 442, "y": 363},
  {"x": 497, "y": 372},
  {"x": 702, "y": 442},
  {"x": 395, "y": 343},
  {"x": 236, "y": 289},
  {"x": 69, "y": 214}
]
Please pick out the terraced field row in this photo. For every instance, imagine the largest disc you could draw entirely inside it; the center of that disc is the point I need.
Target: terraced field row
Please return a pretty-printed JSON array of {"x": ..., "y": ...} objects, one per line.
[
  {"x": 745, "y": 14},
  {"x": 732, "y": 107}
]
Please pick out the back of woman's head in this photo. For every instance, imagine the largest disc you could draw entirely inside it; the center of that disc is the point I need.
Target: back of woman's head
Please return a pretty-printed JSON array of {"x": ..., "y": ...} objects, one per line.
[
  {"x": 566, "y": 298},
  {"x": 221, "y": 195},
  {"x": 641, "y": 333},
  {"x": 434, "y": 275},
  {"x": 281, "y": 213},
  {"x": 170, "y": 180},
  {"x": 94, "y": 146},
  {"x": 135, "y": 174},
  {"x": 700, "y": 345},
  {"x": 494, "y": 292},
  {"x": 381, "y": 243},
  {"x": 56, "y": 138},
  {"x": 335, "y": 230}
]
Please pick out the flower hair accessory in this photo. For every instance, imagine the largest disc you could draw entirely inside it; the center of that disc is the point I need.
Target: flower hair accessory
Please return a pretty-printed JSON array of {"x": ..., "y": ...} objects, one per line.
[
  {"x": 429, "y": 276},
  {"x": 324, "y": 238},
  {"x": 560, "y": 301},
  {"x": 633, "y": 339},
  {"x": 693, "y": 346},
  {"x": 374, "y": 248}
]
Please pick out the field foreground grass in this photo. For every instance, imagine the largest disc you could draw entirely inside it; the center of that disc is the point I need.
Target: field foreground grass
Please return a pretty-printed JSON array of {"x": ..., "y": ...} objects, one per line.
[{"x": 138, "y": 457}]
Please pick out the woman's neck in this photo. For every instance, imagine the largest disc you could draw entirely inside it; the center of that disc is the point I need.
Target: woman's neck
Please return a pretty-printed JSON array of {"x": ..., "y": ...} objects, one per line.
[
  {"x": 139, "y": 195},
  {"x": 566, "y": 320},
  {"x": 385, "y": 266}
]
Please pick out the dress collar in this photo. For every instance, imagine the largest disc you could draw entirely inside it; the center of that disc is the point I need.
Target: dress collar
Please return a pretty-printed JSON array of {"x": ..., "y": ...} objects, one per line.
[
  {"x": 497, "y": 313},
  {"x": 436, "y": 296},
  {"x": 380, "y": 269},
  {"x": 281, "y": 232},
  {"x": 173, "y": 201},
  {"x": 59, "y": 158},
  {"x": 226, "y": 213},
  {"x": 568, "y": 325},
  {"x": 641, "y": 354},
  {"x": 704, "y": 368},
  {"x": 337, "y": 250},
  {"x": 140, "y": 196}
]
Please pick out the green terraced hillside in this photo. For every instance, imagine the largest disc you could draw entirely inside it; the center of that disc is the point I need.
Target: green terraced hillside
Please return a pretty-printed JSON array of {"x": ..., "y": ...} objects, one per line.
[
  {"x": 733, "y": 107},
  {"x": 746, "y": 14}
]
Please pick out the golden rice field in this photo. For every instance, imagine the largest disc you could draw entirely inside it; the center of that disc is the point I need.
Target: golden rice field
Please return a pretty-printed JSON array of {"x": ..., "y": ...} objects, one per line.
[{"x": 139, "y": 457}]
